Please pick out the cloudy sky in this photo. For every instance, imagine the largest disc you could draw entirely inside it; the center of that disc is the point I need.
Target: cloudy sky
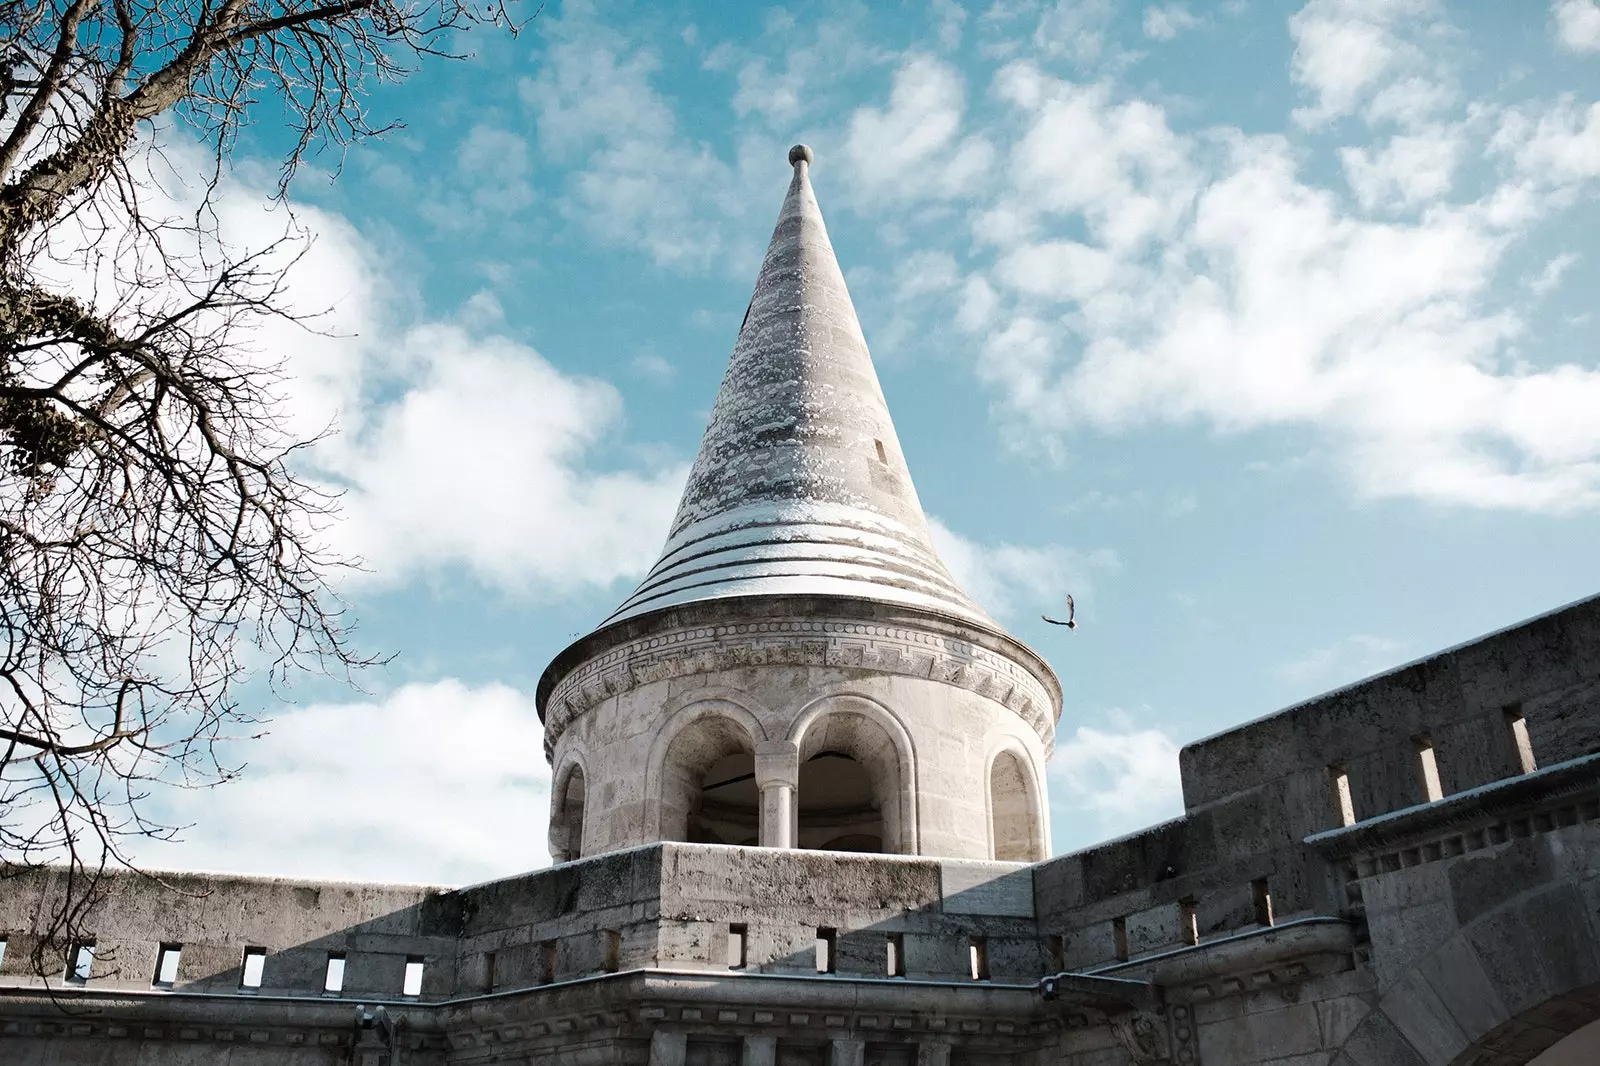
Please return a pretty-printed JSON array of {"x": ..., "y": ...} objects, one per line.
[{"x": 1264, "y": 329}]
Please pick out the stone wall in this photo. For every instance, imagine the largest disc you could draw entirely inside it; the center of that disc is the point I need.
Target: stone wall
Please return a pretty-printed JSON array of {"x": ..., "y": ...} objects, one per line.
[
  {"x": 942, "y": 699},
  {"x": 1254, "y": 794}
]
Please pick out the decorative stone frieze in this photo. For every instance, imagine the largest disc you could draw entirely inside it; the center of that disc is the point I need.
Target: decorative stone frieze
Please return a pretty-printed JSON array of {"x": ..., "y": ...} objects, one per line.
[{"x": 886, "y": 648}]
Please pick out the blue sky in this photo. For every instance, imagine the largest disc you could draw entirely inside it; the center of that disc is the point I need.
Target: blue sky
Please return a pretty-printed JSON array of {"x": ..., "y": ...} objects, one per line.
[{"x": 1265, "y": 329}]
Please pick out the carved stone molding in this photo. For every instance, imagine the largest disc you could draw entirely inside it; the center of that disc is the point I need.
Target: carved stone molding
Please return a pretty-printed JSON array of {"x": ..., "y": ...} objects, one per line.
[
  {"x": 1143, "y": 1037},
  {"x": 874, "y": 646}
]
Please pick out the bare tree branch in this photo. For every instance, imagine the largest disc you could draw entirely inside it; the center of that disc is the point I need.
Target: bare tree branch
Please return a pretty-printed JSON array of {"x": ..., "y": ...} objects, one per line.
[{"x": 157, "y": 545}]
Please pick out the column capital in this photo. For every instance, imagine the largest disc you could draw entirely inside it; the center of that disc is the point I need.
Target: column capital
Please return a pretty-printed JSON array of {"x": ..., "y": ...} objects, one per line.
[{"x": 777, "y": 763}]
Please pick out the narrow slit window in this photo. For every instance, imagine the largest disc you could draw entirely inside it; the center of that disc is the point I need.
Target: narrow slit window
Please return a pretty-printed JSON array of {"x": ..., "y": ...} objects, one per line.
[
  {"x": 895, "y": 961},
  {"x": 978, "y": 955},
  {"x": 167, "y": 958},
  {"x": 80, "y": 961},
  {"x": 883, "y": 456},
  {"x": 547, "y": 962},
  {"x": 255, "y": 961},
  {"x": 1263, "y": 901},
  {"x": 1189, "y": 921},
  {"x": 490, "y": 976},
  {"x": 1428, "y": 767},
  {"x": 1344, "y": 807},
  {"x": 1521, "y": 743},
  {"x": 333, "y": 977},
  {"x": 738, "y": 939},
  {"x": 613, "y": 950},
  {"x": 1119, "y": 938},
  {"x": 1056, "y": 945},
  {"x": 2, "y": 951},
  {"x": 412, "y": 984},
  {"x": 827, "y": 950}
]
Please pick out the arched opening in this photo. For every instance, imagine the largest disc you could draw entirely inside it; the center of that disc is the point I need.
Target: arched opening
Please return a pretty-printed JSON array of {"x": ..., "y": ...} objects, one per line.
[
  {"x": 708, "y": 789},
  {"x": 1013, "y": 821},
  {"x": 838, "y": 810},
  {"x": 850, "y": 795},
  {"x": 1581, "y": 1048},
  {"x": 566, "y": 821},
  {"x": 729, "y": 810}
]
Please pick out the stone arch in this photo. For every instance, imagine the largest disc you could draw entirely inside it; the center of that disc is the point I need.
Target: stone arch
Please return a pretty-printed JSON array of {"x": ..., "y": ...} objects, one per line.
[
  {"x": 700, "y": 734},
  {"x": 1014, "y": 803},
  {"x": 568, "y": 810},
  {"x": 868, "y": 733},
  {"x": 1519, "y": 971}
]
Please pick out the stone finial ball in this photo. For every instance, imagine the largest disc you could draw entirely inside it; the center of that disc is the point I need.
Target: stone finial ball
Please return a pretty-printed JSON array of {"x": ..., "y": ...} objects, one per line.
[{"x": 800, "y": 152}]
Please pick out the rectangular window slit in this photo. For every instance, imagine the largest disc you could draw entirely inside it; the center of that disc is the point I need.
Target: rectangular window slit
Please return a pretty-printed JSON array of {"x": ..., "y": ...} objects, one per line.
[
  {"x": 883, "y": 457},
  {"x": 490, "y": 977},
  {"x": 2, "y": 951},
  {"x": 167, "y": 956},
  {"x": 1189, "y": 921},
  {"x": 1521, "y": 743},
  {"x": 1263, "y": 901},
  {"x": 1119, "y": 938},
  {"x": 738, "y": 936},
  {"x": 547, "y": 961},
  {"x": 978, "y": 953},
  {"x": 613, "y": 950},
  {"x": 333, "y": 979},
  {"x": 80, "y": 961},
  {"x": 255, "y": 960},
  {"x": 412, "y": 984},
  {"x": 827, "y": 950},
  {"x": 895, "y": 960},
  {"x": 1428, "y": 766},
  {"x": 1056, "y": 945},
  {"x": 1339, "y": 787}
]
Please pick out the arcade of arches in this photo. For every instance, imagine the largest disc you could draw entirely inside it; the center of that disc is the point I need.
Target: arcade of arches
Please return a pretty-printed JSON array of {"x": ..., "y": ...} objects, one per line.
[{"x": 842, "y": 787}]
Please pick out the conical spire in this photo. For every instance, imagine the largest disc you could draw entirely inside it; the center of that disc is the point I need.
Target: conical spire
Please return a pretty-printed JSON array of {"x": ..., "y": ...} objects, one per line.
[{"x": 800, "y": 486}]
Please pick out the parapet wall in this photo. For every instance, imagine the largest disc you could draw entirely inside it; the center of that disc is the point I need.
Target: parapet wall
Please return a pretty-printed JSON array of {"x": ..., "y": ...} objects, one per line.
[
  {"x": 665, "y": 906},
  {"x": 1254, "y": 794}
]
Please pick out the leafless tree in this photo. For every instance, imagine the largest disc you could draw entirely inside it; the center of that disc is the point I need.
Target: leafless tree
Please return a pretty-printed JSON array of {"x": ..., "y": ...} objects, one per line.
[{"x": 157, "y": 545}]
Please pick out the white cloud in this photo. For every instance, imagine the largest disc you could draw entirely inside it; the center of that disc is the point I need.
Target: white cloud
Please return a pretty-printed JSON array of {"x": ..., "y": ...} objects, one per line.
[
  {"x": 1145, "y": 276},
  {"x": 913, "y": 149},
  {"x": 1410, "y": 170},
  {"x": 652, "y": 366},
  {"x": 439, "y": 783},
  {"x": 1163, "y": 22},
  {"x": 457, "y": 448},
  {"x": 1007, "y": 579},
  {"x": 1556, "y": 146},
  {"x": 481, "y": 461},
  {"x": 1116, "y": 164},
  {"x": 1577, "y": 24},
  {"x": 796, "y": 79},
  {"x": 1347, "y": 51},
  {"x": 1549, "y": 278},
  {"x": 1106, "y": 782},
  {"x": 1343, "y": 661},
  {"x": 637, "y": 180},
  {"x": 1078, "y": 30}
]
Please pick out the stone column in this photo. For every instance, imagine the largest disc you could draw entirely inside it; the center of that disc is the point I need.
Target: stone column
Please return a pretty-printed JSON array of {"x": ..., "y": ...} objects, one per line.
[
  {"x": 843, "y": 1052},
  {"x": 668, "y": 1048},
  {"x": 778, "y": 779},
  {"x": 760, "y": 1051}
]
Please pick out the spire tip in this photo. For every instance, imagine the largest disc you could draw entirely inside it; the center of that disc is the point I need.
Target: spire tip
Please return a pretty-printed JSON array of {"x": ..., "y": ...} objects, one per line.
[{"x": 800, "y": 153}]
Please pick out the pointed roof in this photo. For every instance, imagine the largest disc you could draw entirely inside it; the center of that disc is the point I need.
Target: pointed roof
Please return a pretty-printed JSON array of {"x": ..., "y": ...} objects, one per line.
[{"x": 800, "y": 486}]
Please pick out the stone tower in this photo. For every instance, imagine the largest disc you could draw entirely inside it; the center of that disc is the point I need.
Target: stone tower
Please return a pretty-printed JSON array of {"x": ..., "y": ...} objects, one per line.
[{"x": 799, "y": 669}]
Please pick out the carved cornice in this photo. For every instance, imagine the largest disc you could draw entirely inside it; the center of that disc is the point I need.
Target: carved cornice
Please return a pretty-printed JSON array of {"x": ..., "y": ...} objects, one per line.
[
  {"x": 1557, "y": 796},
  {"x": 902, "y": 643}
]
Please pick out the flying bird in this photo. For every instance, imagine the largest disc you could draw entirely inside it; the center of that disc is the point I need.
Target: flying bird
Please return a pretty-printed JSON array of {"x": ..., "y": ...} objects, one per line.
[{"x": 1070, "y": 623}]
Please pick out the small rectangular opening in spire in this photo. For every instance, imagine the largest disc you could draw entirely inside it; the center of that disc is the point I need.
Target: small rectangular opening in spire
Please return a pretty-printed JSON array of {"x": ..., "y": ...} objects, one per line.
[{"x": 883, "y": 456}]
